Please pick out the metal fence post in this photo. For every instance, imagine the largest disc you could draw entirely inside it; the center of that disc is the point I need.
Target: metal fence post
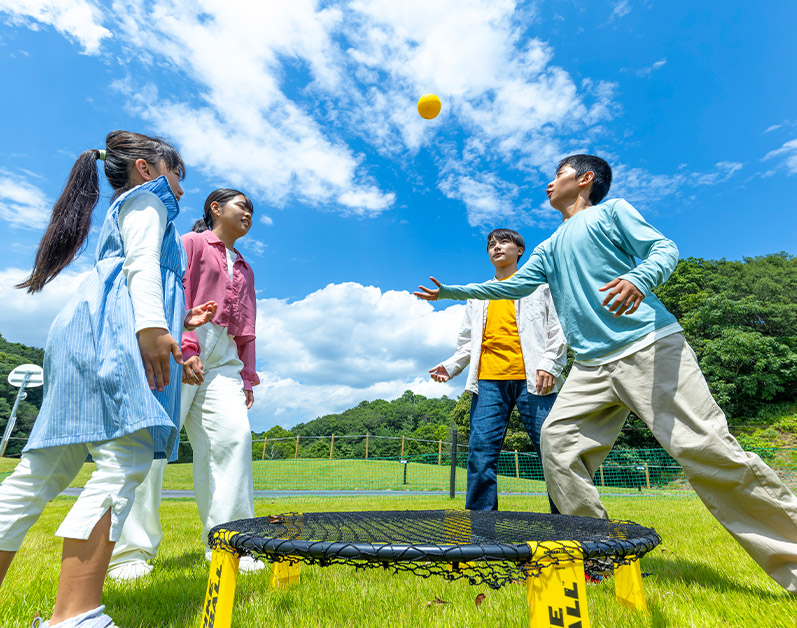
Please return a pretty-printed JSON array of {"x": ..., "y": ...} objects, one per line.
[{"x": 453, "y": 480}]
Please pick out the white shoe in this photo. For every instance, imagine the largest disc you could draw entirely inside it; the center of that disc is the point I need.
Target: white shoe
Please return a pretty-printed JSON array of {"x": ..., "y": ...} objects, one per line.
[
  {"x": 130, "y": 571},
  {"x": 90, "y": 619},
  {"x": 247, "y": 564}
]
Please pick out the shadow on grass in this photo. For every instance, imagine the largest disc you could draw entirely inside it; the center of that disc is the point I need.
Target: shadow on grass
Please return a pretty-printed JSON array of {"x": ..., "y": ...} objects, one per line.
[
  {"x": 172, "y": 596},
  {"x": 186, "y": 560},
  {"x": 687, "y": 572}
]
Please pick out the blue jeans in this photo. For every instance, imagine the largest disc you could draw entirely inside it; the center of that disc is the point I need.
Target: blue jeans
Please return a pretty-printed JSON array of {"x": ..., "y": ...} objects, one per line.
[{"x": 489, "y": 416}]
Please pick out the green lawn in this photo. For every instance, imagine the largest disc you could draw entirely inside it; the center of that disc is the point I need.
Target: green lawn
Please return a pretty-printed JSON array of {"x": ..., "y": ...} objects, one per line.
[{"x": 699, "y": 576}]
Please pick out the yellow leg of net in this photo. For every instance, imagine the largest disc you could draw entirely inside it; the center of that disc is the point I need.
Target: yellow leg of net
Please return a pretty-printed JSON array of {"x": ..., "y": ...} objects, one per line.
[
  {"x": 558, "y": 595},
  {"x": 217, "y": 610},
  {"x": 628, "y": 586},
  {"x": 285, "y": 574}
]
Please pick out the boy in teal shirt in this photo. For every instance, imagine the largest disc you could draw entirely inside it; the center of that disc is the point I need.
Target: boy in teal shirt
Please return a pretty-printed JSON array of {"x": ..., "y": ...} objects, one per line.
[{"x": 630, "y": 354}]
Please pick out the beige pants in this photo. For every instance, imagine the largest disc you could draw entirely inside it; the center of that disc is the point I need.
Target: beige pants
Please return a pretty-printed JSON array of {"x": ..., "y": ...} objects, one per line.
[
  {"x": 216, "y": 419},
  {"x": 663, "y": 385}
]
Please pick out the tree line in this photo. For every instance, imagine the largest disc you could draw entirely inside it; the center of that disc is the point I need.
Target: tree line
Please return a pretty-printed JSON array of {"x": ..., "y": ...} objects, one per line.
[{"x": 740, "y": 317}]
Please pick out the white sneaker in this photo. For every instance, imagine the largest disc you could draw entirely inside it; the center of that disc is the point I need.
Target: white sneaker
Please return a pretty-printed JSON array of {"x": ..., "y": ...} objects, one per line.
[
  {"x": 90, "y": 619},
  {"x": 130, "y": 571},
  {"x": 247, "y": 564}
]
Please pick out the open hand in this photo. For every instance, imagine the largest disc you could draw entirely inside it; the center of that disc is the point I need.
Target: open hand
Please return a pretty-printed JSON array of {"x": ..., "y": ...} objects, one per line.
[
  {"x": 429, "y": 294},
  {"x": 628, "y": 297},
  {"x": 192, "y": 371},
  {"x": 199, "y": 315},
  {"x": 157, "y": 346},
  {"x": 440, "y": 374}
]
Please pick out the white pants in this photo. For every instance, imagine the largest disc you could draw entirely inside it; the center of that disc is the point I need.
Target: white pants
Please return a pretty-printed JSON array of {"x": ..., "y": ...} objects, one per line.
[
  {"x": 216, "y": 420},
  {"x": 664, "y": 387},
  {"x": 41, "y": 475}
]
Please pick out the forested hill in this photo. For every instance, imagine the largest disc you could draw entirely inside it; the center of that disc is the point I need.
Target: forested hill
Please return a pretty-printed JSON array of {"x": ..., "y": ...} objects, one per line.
[
  {"x": 741, "y": 319},
  {"x": 12, "y": 355},
  {"x": 739, "y": 316}
]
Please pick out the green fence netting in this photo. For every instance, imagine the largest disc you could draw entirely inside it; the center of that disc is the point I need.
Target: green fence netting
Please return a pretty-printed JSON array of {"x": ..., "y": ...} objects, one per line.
[{"x": 625, "y": 471}]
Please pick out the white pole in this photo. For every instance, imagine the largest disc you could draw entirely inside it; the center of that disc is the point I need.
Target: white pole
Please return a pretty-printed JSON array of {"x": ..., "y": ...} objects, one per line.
[{"x": 13, "y": 418}]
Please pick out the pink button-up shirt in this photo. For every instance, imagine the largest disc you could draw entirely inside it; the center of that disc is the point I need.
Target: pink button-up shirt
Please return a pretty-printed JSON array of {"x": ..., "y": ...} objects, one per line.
[{"x": 207, "y": 279}]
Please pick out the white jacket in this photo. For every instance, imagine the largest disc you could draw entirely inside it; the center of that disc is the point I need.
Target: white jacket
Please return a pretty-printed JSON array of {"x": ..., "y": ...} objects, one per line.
[{"x": 541, "y": 340}]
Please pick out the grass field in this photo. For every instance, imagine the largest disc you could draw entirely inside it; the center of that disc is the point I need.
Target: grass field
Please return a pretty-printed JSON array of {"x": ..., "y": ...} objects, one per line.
[{"x": 699, "y": 576}]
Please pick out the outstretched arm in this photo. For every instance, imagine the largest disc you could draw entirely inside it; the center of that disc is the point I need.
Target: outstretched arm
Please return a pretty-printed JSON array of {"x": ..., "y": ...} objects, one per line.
[{"x": 521, "y": 284}]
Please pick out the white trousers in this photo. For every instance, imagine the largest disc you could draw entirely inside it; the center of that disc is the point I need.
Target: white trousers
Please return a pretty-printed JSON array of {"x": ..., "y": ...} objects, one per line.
[
  {"x": 41, "y": 475},
  {"x": 665, "y": 388},
  {"x": 216, "y": 420}
]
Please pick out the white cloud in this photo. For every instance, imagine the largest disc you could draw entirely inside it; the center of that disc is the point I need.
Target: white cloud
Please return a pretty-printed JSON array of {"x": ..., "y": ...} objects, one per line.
[
  {"x": 253, "y": 246},
  {"x": 27, "y": 317},
  {"x": 77, "y": 19},
  {"x": 644, "y": 188},
  {"x": 291, "y": 102},
  {"x": 356, "y": 71},
  {"x": 786, "y": 155},
  {"x": 650, "y": 70},
  {"x": 345, "y": 343},
  {"x": 773, "y": 127},
  {"x": 266, "y": 220},
  {"x": 287, "y": 402},
  {"x": 22, "y": 204},
  {"x": 327, "y": 352},
  {"x": 487, "y": 197},
  {"x": 621, "y": 9}
]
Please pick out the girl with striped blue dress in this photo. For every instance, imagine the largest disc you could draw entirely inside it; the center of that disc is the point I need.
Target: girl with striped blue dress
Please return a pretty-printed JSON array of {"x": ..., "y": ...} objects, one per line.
[{"x": 111, "y": 365}]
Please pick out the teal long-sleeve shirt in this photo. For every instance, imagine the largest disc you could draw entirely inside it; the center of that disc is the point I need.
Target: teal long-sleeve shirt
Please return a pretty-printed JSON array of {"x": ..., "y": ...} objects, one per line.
[{"x": 593, "y": 247}]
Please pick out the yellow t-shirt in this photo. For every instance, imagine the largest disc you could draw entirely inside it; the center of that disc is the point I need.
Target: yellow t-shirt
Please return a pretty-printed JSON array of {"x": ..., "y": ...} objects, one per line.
[{"x": 501, "y": 357}]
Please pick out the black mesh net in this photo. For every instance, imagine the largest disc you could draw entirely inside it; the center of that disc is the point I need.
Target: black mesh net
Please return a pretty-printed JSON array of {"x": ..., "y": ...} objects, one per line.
[{"x": 491, "y": 547}]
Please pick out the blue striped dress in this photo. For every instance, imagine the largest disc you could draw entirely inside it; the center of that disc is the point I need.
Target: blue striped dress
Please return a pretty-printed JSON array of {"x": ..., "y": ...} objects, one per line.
[{"x": 95, "y": 388}]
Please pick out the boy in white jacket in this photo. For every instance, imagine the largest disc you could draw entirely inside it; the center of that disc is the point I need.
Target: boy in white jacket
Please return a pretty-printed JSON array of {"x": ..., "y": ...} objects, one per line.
[{"x": 517, "y": 351}]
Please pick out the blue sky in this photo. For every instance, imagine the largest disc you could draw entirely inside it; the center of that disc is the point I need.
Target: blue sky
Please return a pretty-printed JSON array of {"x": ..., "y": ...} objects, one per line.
[{"x": 310, "y": 108}]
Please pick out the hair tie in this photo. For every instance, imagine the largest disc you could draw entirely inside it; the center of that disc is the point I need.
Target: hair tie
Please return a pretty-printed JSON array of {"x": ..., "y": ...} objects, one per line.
[{"x": 101, "y": 155}]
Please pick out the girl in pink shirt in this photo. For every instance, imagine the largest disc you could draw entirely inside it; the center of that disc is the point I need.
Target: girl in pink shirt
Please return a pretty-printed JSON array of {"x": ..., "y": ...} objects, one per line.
[{"x": 218, "y": 376}]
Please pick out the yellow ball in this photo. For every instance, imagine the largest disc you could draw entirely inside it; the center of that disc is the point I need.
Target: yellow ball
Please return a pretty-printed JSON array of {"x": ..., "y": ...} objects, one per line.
[{"x": 429, "y": 106}]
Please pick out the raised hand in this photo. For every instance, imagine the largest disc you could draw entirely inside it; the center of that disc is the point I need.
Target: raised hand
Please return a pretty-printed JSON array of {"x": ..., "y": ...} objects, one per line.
[
  {"x": 628, "y": 297},
  {"x": 157, "y": 346},
  {"x": 199, "y": 315},
  {"x": 429, "y": 294},
  {"x": 440, "y": 374}
]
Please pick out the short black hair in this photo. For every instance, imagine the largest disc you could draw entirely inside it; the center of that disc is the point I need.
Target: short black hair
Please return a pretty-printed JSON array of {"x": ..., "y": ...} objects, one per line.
[
  {"x": 590, "y": 163},
  {"x": 507, "y": 234}
]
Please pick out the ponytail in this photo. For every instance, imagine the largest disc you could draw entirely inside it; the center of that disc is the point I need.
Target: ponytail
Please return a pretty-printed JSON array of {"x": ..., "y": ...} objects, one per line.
[
  {"x": 69, "y": 224},
  {"x": 201, "y": 225},
  {"x": 71, "y": 218}
]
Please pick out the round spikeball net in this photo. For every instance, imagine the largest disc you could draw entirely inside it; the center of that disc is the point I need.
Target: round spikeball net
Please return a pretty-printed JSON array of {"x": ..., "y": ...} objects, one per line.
[{"x": 490, "y": 547}]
